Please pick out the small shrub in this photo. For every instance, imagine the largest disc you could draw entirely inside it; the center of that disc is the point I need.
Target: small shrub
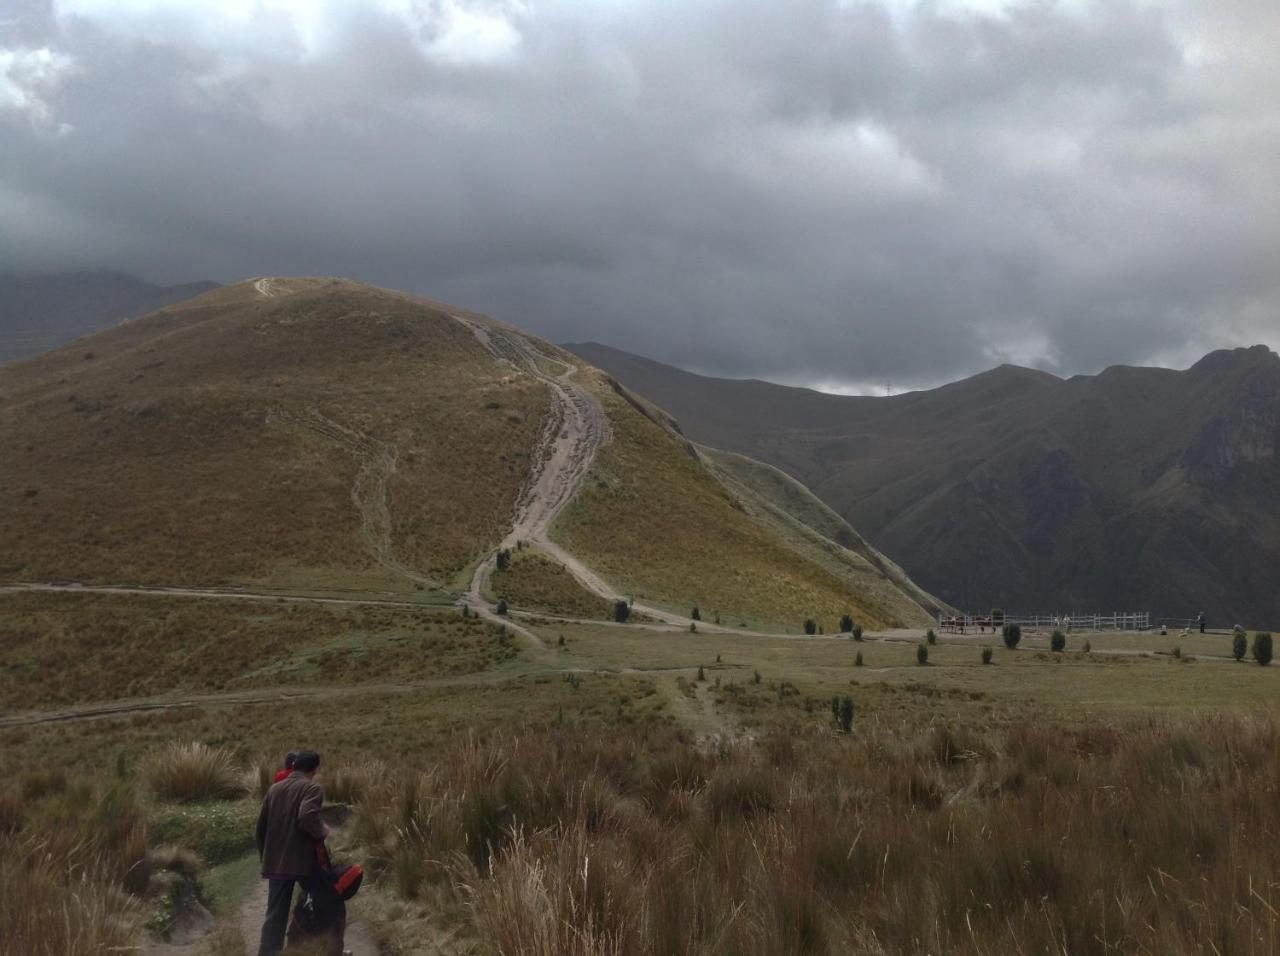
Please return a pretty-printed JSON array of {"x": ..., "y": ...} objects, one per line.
[
  {"x": 846, "y": 624},
  {"x": 1262, "y": 648},
  {"x": 621, "y": 611},
  {"x": 1239, "y": 644},
  {"x": 1087, "y": 647},
  {"x": 560, "y": 642},
  {"x": 931, "y": 637},
  {"x": 986, "y": 655},
  {"x": 1012, "y": 634},
  {"x": 846, "y": 715},
  {"x": 191, "y": 772},
  {"x": 504, "y": 559},
  {"x": 1177, "y": 652},
  {"x": 755, "y": 678},
  {"x": 702, "y": 675},
  {"x": 501, "y": 608},
  {"x": 1058, "y": 642},
  {"x": 810, "y": 626},
  {"x": 857, "y": 632},
  {"x": 922, "y": 654},
  {"x": 857, "y": 659},
  {"x": 693, "y": 627},
  {"x": 695, "y": 614}
]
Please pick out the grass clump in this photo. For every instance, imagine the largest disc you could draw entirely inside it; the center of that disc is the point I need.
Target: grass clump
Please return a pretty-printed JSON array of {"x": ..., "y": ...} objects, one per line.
[
  {"x": 986, "y": 655},
  {"x": 922, "y": 654},
  {"x": 193, "y": 772}
]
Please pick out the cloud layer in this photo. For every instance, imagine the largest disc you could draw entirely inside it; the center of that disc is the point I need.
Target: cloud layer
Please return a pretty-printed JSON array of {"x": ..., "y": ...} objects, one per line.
[{"x": 810, "y": 191}]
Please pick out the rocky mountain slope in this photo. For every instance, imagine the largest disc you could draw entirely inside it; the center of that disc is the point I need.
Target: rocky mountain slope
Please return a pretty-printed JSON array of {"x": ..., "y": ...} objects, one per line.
[{"x": 1134, "y": 488}]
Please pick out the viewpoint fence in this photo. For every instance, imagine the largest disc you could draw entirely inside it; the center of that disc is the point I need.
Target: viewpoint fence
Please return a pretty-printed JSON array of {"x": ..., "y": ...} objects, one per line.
[{"x": 1112, "y": 621}]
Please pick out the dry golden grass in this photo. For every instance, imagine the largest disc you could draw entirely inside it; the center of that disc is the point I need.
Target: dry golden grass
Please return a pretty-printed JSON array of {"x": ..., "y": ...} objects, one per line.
[
  {"x": 62, "y": 648},
  {"x": 190, "y": 772},
  {"x": 654, "y": 522},
  {"x": 72, "y": 866},
  {"x": 222, "y": 440},
  {"x": 1135, "y": 837},
  {"x": 537, "y": 583}
]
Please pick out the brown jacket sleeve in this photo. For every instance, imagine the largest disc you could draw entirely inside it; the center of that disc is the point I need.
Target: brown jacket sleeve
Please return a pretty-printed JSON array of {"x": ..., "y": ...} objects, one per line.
[{"x": 309, "y": 811}]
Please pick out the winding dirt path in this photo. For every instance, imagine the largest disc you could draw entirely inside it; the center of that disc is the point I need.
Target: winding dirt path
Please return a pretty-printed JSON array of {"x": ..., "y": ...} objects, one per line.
[{"x": 576, "y": 430}]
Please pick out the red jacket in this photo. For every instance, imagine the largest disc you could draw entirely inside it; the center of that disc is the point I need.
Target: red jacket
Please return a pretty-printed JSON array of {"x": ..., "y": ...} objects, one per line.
[{"x": 281, "y": 774}]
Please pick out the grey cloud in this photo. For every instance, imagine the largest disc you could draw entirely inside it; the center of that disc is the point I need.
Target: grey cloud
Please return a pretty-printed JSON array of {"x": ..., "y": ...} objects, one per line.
[{"x": 843, "y": 192}]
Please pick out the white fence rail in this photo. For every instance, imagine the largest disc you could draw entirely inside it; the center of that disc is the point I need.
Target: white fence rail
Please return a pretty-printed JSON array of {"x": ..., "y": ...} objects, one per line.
[{"x": 1113, "y": 621}]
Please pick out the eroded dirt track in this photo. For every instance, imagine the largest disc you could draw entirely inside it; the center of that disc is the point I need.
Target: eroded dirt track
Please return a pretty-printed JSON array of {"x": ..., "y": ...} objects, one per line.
[{"x": 577, "y": 429}]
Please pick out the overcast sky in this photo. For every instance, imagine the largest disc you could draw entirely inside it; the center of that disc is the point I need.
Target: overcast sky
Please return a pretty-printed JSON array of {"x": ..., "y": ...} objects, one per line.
[{"x": 832, "y": 193}]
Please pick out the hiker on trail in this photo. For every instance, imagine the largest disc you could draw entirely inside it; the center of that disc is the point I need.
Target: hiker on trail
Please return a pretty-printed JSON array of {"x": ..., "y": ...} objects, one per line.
[
  {"x": 289, "y": 758},
  {"x": 289, "y": 827},
  {"x": 1200, "y": 621}
]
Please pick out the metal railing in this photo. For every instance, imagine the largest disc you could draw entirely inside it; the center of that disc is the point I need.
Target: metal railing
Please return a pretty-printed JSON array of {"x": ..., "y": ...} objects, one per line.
[{"x": 1113, "y": 621}]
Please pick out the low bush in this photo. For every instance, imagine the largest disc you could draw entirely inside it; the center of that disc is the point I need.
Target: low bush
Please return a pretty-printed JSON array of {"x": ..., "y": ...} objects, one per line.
[
  {"x": 931, "y": 636},
  {"x": 857, "y": 632},
  {"x": 218, "y": 832},
  {"x": 810, "y": 626},
  {"x": 986, "y": 655},
  {"x": 190, "y": 772},
  {"x": 857, "y": 659},
  {"x": 1057, "y": 642},
  {"x": 1239, "y": 644},
  {"x": 922, "y": 654},
  {"x": 846, "y": 624},
  {"x": 1012, "y": 634},
  {"x": 1262, "y": 648},
  {"x": 621, "y": 611}
]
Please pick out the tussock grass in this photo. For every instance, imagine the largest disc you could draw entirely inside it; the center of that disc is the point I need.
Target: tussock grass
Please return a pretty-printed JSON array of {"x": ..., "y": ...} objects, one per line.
[
  {"x": 1134, "y": 837},
  {"x": 192, "y": 772},
  {"x": 71, "y": 860}
]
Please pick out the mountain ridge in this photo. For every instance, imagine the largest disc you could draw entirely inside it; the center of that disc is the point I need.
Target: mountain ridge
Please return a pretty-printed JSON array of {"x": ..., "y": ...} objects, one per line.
[{"x": 1017, "y": 488}]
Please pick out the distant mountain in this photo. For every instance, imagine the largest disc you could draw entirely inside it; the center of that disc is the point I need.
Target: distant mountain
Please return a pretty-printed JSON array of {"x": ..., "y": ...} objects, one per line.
[
  {"x": 1135, "y": 488},
  {"x": 41, "y": 312}
]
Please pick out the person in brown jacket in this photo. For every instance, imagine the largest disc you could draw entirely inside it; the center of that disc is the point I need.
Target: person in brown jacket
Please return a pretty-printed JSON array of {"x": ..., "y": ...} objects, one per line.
[{"x": 289, "y": 827}]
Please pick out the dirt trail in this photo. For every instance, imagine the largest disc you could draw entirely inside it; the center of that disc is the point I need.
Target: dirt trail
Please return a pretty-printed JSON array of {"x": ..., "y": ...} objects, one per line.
[
  {"x": 263, "y": 287},
  {"x": 369, "y": 491},
  {"x": 359, "y": 940},
  {"x": 576, "y": 429},
  {"x": 698, "y": 714}
]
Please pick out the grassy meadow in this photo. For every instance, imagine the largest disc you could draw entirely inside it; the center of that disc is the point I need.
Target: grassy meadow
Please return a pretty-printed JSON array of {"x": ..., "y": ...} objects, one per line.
[{"x": 630, "y": 790}]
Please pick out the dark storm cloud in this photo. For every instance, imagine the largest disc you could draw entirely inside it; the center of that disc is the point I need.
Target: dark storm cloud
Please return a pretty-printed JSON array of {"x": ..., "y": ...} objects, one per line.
[{"x": 810, "y": 191}]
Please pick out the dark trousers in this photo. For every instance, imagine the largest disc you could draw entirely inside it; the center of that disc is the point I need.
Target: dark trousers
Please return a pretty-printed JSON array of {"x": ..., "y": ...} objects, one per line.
[{"x": 279, "y": 899}]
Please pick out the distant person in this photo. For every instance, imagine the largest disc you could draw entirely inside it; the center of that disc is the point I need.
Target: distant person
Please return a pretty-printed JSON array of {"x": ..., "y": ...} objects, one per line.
[
  {"x": 1200, "y": 621},
  {"x": 289, "y": 758},
  {"x": 289, "y": 827}
]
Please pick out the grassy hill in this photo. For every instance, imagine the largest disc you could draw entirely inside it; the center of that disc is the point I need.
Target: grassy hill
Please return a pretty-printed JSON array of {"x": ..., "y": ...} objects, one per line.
[
  {"x": 657, "y": 522},
  {"x": 327, "y": 436},
  {"x": 322, "y": 435},
  {"x": 1136, "y": 487}
]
